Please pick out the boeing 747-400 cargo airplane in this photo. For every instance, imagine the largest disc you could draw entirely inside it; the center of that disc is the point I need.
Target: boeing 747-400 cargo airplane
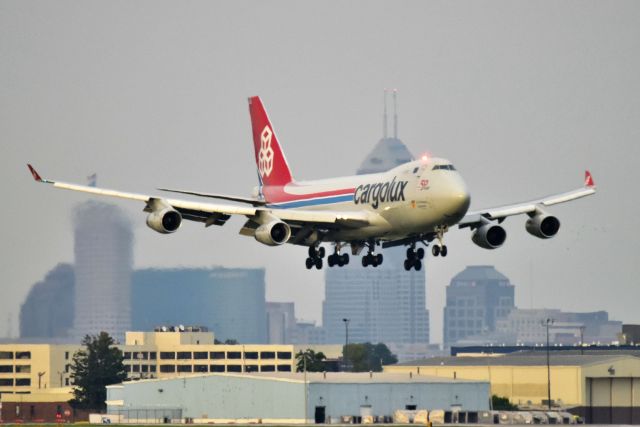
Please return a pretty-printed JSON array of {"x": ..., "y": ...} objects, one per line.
[{"x": 412, "y": 204}]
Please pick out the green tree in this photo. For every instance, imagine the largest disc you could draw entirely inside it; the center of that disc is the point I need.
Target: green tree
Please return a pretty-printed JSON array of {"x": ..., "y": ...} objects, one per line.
[
  {"x": 98, "y": 365},
  {"x": 368, "y": 357},
  {"x": 315, "y": 361},
  {"x": 499, "y": 403}
]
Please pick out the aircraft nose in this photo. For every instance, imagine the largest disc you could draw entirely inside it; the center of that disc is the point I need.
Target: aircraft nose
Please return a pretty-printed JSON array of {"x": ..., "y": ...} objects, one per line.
[{"x": 459, "y": 200}]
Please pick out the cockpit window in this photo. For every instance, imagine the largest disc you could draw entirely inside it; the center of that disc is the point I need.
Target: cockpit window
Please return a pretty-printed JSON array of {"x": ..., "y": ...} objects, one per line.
[{"x": 444, "y": 167}]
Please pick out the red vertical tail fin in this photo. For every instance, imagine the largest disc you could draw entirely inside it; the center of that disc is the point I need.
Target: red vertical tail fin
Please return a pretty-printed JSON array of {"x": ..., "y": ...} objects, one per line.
[{"x": 272, "y": 165}]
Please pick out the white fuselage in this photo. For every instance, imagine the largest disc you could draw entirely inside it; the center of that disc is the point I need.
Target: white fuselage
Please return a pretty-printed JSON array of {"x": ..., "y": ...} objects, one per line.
[{"x": 413, "y": 198}]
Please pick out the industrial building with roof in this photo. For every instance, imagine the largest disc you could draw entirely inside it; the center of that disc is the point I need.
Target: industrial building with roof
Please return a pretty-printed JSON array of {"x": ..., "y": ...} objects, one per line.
[
  {"x": 289, "y": 397},
  {"x": 600, "y": 388}
]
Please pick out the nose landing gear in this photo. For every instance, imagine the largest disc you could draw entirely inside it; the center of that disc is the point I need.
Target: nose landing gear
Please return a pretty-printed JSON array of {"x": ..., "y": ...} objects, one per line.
[{"x": 440, "y": 248}]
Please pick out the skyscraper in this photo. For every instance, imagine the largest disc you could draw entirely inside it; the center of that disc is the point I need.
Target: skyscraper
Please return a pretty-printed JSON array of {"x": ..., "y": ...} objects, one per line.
[
  {"x": 477, "y": 298},
  {"x": 103, "y": 262},
  {"x": 383, "y": 304}
]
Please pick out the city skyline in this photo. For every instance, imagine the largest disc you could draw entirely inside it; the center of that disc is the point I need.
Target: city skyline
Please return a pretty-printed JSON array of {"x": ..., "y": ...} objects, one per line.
[{"x": 521, "y": 98}]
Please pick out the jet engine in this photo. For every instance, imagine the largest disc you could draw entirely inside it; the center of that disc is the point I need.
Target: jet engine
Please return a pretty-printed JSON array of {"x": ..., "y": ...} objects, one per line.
[
  {"x": 273, "y": 233},
  {"x": 543, "y": 225},
  {"x": 489, "y": 236},
  {"x": 165, "y": 220}
]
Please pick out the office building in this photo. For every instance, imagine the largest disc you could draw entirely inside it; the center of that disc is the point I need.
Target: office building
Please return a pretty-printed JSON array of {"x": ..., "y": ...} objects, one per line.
[
  {"x": 386, "y": 304},
  {"x": 528, "y": 326},
  {"x": 175, "y": 351},
  {"x": 48, "y": 309},
  {"x": 307, "y": 332},
  {"x": 477, "y": 298},
  {"x": 229, "y": 301},
  {"x": 281, "y": 322},
  {"x": 103, "y": 250},
  {"x": 25, "y": 368}
]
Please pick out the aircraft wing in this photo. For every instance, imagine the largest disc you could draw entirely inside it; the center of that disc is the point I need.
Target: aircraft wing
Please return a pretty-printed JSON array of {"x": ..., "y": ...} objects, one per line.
[
  {"x": 475, "y": 218},
  {"x": 254, "y": 202},
  {"x": 218, "y": 214}
]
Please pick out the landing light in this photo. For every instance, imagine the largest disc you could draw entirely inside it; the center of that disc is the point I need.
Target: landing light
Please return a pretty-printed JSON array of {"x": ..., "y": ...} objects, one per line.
[{"x": 424, "y": 157}]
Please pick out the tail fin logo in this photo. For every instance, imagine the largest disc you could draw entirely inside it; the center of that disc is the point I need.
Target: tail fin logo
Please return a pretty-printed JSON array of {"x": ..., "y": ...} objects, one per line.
[{"x": 265, "y": 155}]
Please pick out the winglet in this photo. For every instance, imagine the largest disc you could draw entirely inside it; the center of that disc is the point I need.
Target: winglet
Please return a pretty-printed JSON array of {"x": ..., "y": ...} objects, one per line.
[
  {"x": 35, "y": 174},
  {"x": 588, "y": 180}
]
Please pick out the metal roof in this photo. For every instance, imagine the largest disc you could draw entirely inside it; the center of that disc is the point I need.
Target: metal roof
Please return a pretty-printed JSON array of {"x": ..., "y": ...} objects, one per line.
[
  {"x": 357, "y": 377},
  {"x": 320, "y": 377},
  {"x": 539, "y": 359}
]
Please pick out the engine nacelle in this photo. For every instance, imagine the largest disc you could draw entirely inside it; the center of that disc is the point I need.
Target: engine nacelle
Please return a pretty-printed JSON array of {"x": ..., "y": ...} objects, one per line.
[
  {"x": 165, "y": 221},
  {"x": 489, "y": 236},
  {"x": 273, "y": 233},
  {"x": 543, "y": 226}
]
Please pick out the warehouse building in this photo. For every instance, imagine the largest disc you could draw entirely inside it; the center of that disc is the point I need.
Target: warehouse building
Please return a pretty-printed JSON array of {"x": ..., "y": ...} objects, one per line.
[
  {"x": 288, "y": 397},
  {"x": 602, "y": 389}
]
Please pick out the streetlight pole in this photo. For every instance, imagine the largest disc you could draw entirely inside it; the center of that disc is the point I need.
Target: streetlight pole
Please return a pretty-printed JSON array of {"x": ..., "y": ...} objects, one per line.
[
  {"x": 547, "y": 323},
  {"x": 346, "y": 341}
]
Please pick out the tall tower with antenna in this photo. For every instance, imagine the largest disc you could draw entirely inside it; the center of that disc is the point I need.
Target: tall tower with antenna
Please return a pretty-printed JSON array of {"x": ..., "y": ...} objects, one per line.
[{"x": 387, "y": 304}]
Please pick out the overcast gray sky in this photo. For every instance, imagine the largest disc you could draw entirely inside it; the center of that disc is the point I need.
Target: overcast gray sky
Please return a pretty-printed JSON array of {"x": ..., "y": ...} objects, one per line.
[{"x": 521, "y": 96}]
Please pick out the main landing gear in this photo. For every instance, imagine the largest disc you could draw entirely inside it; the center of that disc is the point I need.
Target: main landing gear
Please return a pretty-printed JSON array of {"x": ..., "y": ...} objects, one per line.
[
  {"x": 414, "y": 258},
  {"x": 315, "y": 257},
  {"x": 371, "y": 259},
  {"x": 337, "y": 258}
]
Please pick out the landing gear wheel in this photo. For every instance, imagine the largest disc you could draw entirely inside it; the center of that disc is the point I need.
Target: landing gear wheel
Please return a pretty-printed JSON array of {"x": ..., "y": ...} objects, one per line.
[
  {"x": 420, "y": 253},
  {"x": 417, "y": 265},
  {"x": 365, "y": 260},
  {"x": 410, "y": 253},
  {"x": 443, "y": 250},
  {"x": 379, "y": 259},
  {"x": 321, "y": 252},
  {"x": 407, "y": 265},
  {"x": 309, "y": 263},
  {"x": 330, "y": 261},
  {"x": 312, "y": 252},
  {"x": 318, "y": 262},
  {"x": 345, "y": 259},
  {"x": 374, "y": 260},
  {"x": 435, "y": 250}
]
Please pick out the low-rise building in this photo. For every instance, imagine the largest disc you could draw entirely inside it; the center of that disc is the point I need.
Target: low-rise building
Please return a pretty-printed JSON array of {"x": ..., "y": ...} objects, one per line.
[
  {"x": 601, "y": 388},
  {"x": 27, "y": 367},
  {"x": 167, "y": 352},
  {"x": 288, "y": 397},
  {"x": 170, "y": 352}
]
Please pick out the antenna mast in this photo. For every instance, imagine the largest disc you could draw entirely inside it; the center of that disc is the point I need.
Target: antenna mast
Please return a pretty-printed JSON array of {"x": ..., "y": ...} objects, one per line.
[
  {"x": 395, "y": 114},
  {"x": 384, "y": 119}
]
